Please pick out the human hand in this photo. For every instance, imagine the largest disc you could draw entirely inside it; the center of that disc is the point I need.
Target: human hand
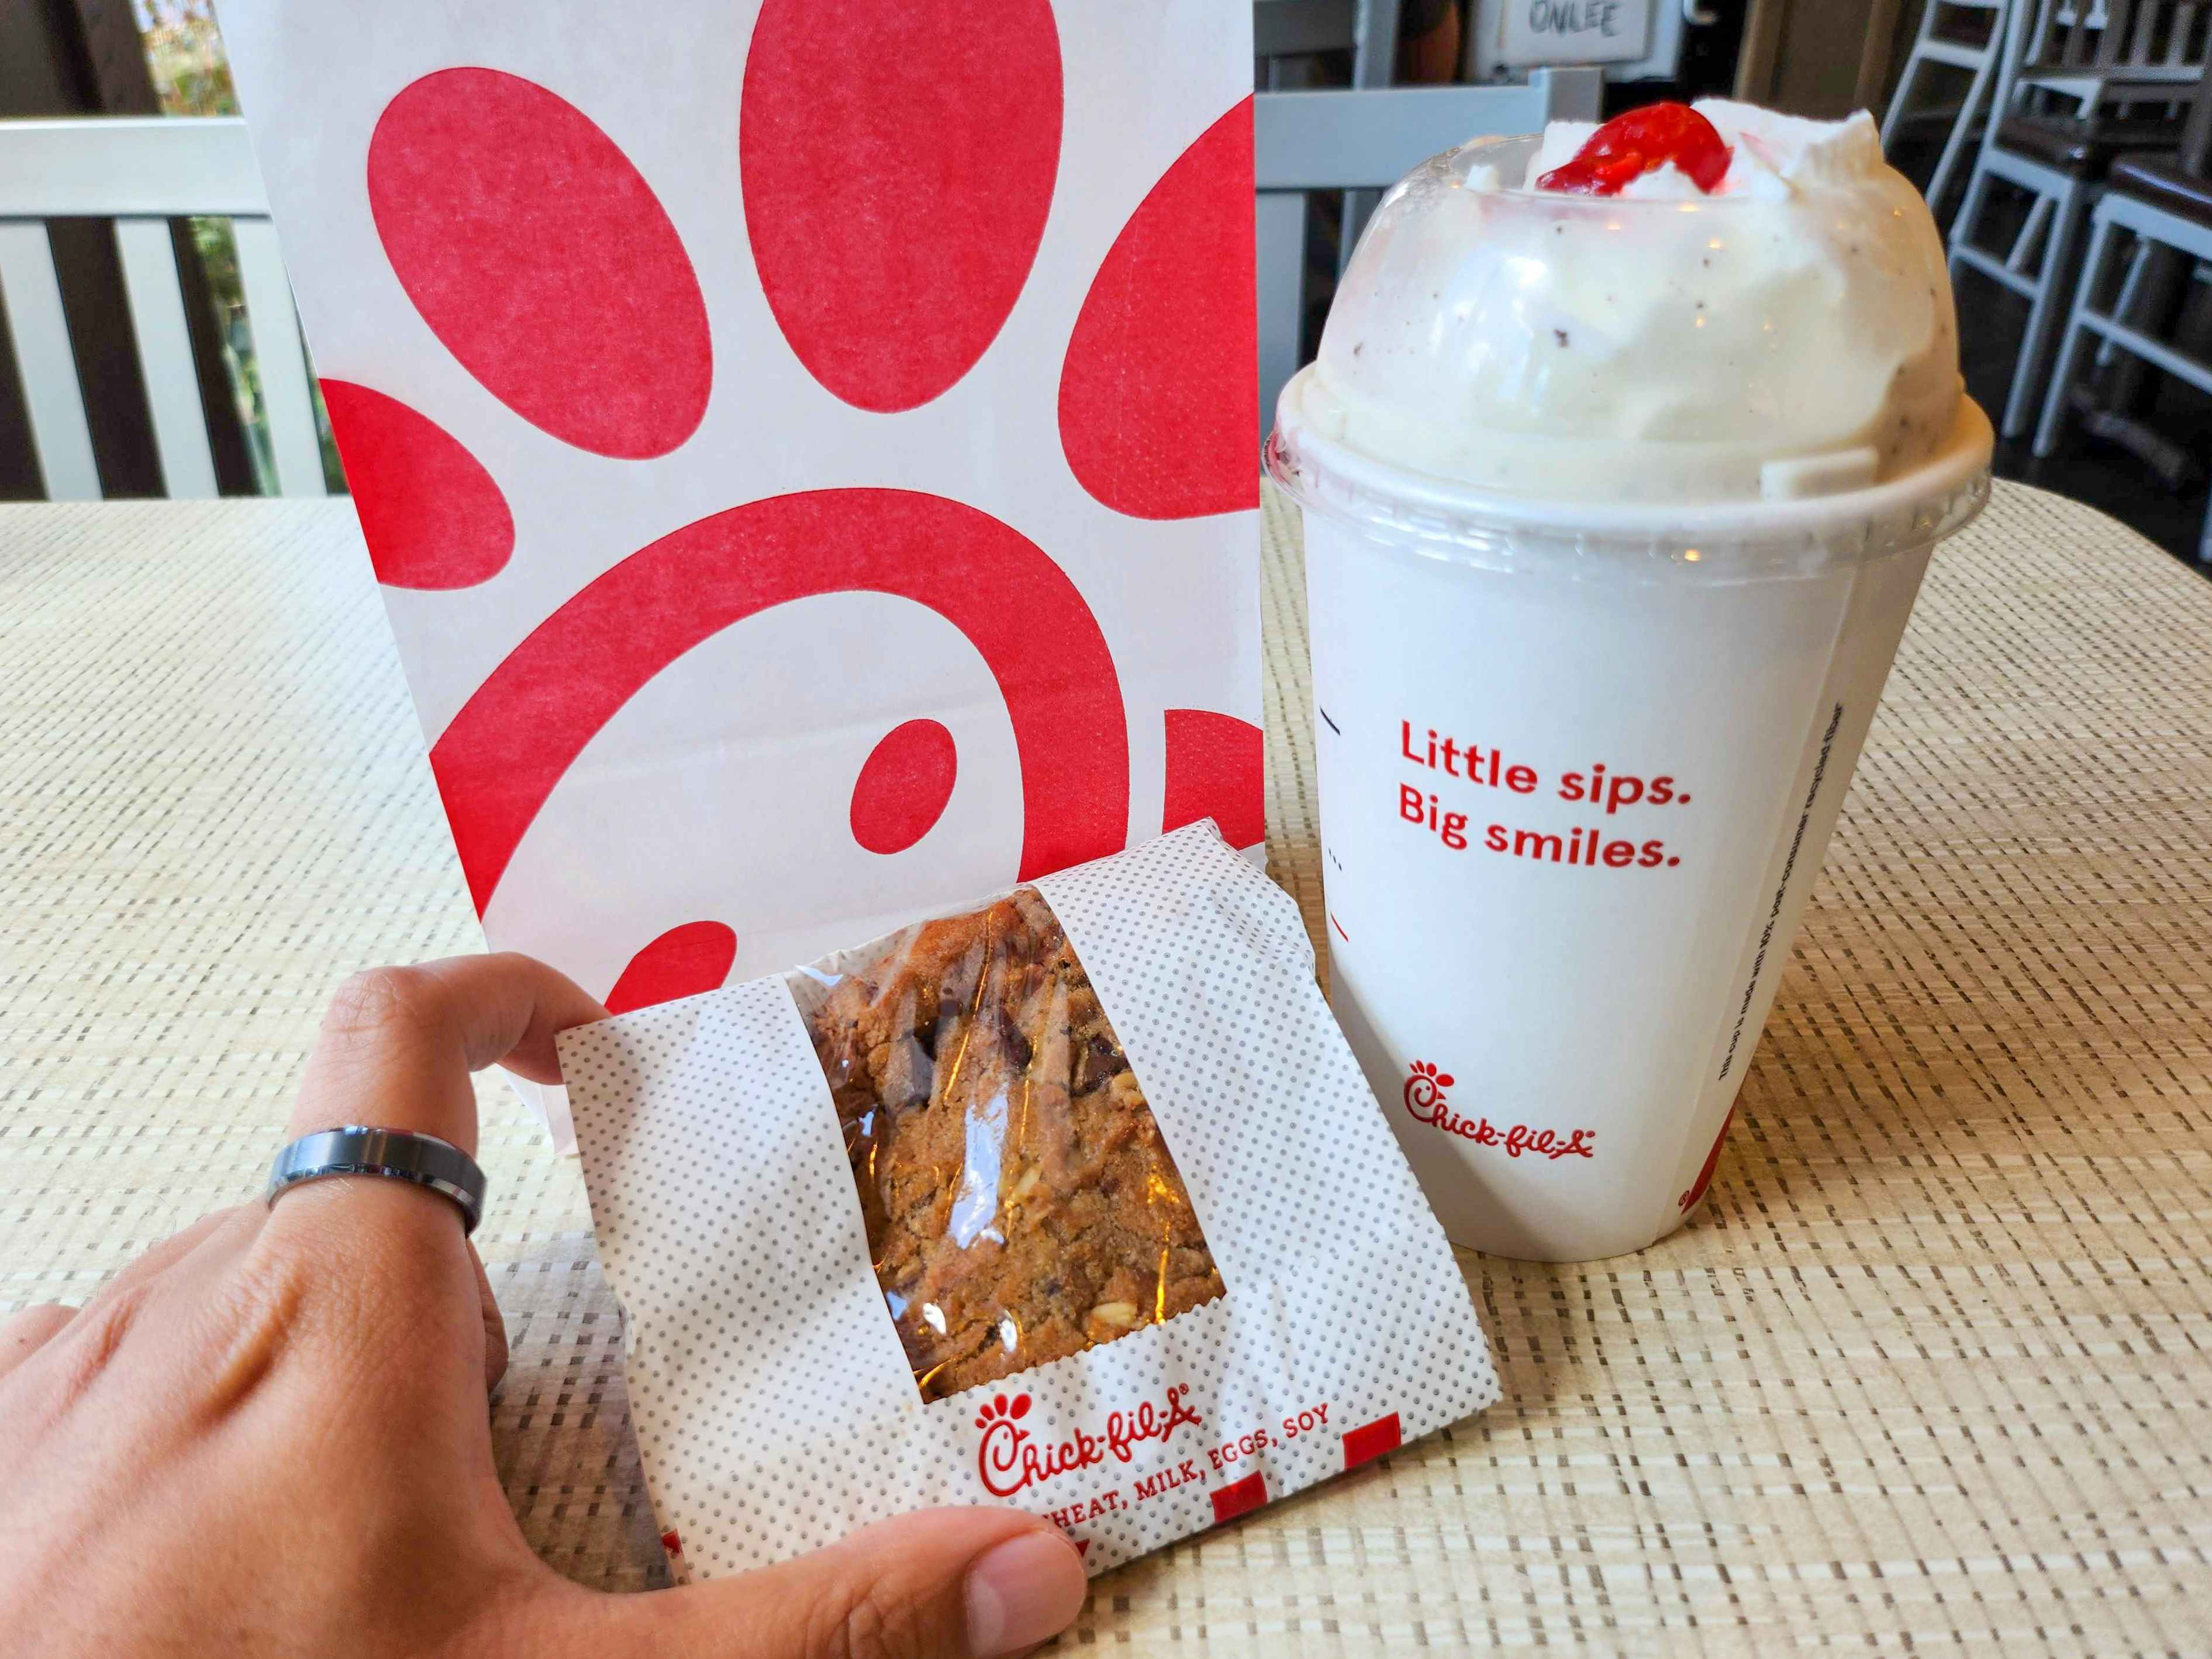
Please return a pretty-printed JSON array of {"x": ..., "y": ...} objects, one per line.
[{"x": 268, "y": 1436}]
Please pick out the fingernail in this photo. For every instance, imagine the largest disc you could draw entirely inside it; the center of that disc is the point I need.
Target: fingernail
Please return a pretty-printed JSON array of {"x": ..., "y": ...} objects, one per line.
[{"x": 1022, "y": 1592}]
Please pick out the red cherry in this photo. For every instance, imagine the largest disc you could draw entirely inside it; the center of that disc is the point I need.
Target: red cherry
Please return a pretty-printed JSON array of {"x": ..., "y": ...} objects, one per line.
[{"x": 1629, "y": 146}]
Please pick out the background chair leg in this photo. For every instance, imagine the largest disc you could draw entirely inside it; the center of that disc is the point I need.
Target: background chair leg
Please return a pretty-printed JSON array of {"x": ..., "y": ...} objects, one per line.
[
  {"x": 2069, "y": 350},
  {"x": 2043, "y": 317},
  {"x": 2154, "y": 307},
  {"x": 1281, "y": 235},
  {"x": 1901, "y": 99},
  {"x": 1954, "y": 146},
  {"x": 1970, "y": 211},
  {"x": 2023, "y": 245},
  {"x": 2130, "y": 286}
]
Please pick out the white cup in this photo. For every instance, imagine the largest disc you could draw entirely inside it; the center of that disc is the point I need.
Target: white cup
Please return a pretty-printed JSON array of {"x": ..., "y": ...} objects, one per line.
[{"x": 1578, "y": 768}]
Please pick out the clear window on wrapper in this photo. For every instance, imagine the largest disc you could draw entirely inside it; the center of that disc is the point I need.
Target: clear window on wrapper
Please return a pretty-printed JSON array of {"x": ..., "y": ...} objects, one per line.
[{"x": 1020, "y": 1203}]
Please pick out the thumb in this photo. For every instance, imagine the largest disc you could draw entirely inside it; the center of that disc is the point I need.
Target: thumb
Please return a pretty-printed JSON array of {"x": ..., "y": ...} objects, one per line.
[{"x": 951, "y": 1583}]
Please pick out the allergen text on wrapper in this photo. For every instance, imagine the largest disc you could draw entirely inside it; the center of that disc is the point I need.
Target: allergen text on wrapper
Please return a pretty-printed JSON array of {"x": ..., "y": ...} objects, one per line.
[{"x": 1010, "y": 1459}]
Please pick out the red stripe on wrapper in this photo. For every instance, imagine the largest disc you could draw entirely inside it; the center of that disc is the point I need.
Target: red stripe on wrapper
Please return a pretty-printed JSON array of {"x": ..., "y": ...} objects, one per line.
[
  {"x": 1082, "y": 1546},
  {"x": 1241, "y": 1497},
  {"x": 671, "y": 1542},
  {"x": 1371, "y": 1440}
]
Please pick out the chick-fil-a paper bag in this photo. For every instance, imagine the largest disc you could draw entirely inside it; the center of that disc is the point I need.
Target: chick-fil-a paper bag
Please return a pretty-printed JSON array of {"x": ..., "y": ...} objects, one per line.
[{"x": 806, "y": 449}]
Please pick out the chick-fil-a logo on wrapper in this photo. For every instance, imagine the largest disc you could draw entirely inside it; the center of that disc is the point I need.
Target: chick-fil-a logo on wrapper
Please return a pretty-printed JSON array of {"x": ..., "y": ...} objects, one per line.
[
  {"x": 1010, "y": 1460},
  {"x": 1426, "y": 1101},
  {"x": 1424, "y": 1090}
]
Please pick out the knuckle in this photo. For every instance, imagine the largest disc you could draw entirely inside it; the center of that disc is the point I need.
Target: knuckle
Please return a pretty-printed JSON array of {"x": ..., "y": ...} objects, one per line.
[
  {"x": 344, "y": 1261},
  {"x": 496, "y": 1353},
  {"x": 382, "y": 1001},
  {"x": 256, "y": 1317},
  {"x": 94, "y": 1339},
  {"x": 360, "y": 1298},
  {"x": 269, "y": 1289},
  {"x": 408, "y": 1271},
  {"x": 27, "y": 1327},
  {"x": 869, "y": 1621}
]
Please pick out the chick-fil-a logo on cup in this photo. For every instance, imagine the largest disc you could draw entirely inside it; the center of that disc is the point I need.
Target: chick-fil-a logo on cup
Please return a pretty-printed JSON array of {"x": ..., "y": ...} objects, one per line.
[
  {"x": 1426, "y": 1101},
  {"x": 1009, "y": 1460}
]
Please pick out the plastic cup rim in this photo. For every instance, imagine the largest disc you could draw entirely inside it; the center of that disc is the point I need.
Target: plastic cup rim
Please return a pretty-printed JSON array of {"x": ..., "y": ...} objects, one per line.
[{"x": 1327, "y": 475}]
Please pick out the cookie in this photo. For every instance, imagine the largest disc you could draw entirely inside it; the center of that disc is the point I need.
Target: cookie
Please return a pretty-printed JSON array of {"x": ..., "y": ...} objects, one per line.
[{"x": 1020, "y": 1204}]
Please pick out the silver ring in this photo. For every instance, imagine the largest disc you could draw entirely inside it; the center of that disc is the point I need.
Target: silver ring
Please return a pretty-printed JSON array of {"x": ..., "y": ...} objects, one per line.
[{"x": 356, "y": 1149}]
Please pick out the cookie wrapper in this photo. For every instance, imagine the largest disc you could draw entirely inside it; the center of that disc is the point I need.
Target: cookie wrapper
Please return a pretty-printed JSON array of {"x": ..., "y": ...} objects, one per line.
[{"x": 1129, "y": 1061}]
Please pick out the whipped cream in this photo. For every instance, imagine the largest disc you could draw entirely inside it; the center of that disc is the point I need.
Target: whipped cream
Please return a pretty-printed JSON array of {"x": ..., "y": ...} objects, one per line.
[{"x": 1790, "y": 333}]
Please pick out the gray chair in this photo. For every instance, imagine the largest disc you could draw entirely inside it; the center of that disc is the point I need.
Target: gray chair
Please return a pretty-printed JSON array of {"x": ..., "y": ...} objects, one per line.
[
  {"x": 2116, "y": 73},
  {"x": 1285, "y": 31},
  {"x": 142, "y": 174},
  {"x": 1288, "y": 34},
  {"x": 2166, "y": 208},
  {"x": 1948, "y": 40},
  {"x": 1305, "y": 142}
]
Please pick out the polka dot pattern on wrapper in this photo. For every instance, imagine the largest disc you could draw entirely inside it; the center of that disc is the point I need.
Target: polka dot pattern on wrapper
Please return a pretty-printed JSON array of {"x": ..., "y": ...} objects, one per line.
[{"x": 774, "y": 1407}]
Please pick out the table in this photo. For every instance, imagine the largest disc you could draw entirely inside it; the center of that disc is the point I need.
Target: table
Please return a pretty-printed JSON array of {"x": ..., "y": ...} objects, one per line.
[{"x": 1933, "y": 1369}]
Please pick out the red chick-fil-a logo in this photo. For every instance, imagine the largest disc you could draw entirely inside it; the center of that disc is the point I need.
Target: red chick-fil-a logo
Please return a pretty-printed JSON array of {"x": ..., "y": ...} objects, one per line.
[
  {"x": 1424, "y": 1090},
  {"x": 1426, "y": 1101},
  {"x": 1009, "y": 1459}
]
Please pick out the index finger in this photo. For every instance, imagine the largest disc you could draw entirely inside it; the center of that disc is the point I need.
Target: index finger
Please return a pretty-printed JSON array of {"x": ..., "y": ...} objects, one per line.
[{"x": 398, "y": 1044}]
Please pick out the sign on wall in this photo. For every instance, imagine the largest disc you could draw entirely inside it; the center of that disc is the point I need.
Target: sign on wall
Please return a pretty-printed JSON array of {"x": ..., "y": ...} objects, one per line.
[{"x": 1529, "y": 32}]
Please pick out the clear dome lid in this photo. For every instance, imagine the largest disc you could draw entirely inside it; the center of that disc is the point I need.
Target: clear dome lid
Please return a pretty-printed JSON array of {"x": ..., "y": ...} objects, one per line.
[{"x": 1791, "y": 335}]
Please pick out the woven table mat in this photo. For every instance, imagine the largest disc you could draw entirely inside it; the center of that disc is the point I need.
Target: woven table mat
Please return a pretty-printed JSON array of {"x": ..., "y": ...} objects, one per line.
[{"x": 1932, "y": 1370}]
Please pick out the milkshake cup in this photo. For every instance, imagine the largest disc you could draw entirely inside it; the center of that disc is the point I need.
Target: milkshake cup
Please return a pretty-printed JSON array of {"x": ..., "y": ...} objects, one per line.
[{"x": 1602, "y": 598}]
